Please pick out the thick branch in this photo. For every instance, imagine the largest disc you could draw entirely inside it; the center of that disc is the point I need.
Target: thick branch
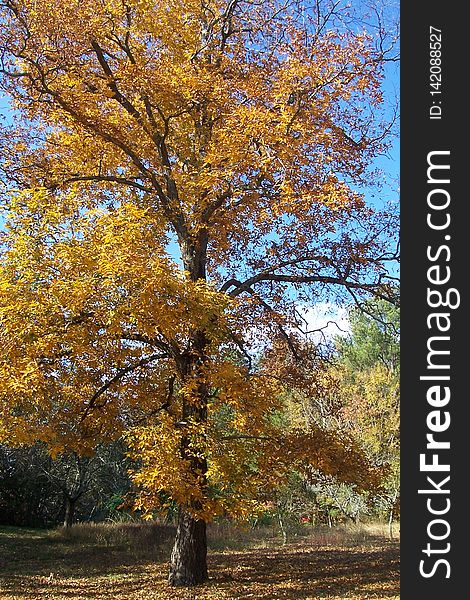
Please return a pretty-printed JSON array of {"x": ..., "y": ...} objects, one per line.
[
  {"x": 244, "y": 437},
  {"x": 117, "y": 377},
  {"x": 165, "y": 405},
  {"x": 245, "y": 286},
  {"x": 110, "y": 178},
  {"x": 117, "y": 95},
  {"x": 282, "y": 331}
]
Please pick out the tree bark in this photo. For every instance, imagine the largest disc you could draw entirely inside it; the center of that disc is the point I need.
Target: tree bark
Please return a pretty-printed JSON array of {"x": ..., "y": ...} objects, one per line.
[
  {"x": 391, "y": 514},
  {"x": 69, "y": 511},
  {"x": 188, "y": 564}
]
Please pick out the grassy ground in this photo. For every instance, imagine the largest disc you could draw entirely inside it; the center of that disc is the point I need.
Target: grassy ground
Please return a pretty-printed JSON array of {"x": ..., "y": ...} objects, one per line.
[{"x": 129, "y": 562}]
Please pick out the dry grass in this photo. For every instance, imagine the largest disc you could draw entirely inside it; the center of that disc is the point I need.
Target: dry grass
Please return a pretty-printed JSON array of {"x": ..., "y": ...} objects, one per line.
[{"x": 129, "y": 562}]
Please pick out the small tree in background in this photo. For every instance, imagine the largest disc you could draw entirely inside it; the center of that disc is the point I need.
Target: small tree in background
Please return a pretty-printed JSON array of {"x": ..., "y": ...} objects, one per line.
[
  {"x": 354, "y": 389},
  {"x": 34, "y": 487},
  {"x": 369, "y": 372}
]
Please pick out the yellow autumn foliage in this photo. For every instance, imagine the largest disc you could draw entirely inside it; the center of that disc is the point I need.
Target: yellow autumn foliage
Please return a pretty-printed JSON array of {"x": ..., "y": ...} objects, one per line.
[{"x": 176, "y": 172}]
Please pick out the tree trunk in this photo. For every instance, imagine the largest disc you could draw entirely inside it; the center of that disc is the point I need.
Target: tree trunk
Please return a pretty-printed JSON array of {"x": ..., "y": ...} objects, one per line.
[
  {"x": 281, "y": 525},
  {"x": 390, "y": 524},
  {"x": 69, "y": 511},
  {"x": 391, "y": 514},
  {"x": 188, "y": 564}
]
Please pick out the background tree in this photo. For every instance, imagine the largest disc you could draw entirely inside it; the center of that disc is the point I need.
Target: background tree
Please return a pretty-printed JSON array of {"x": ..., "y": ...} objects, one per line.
[
  {"x": 34, "y": 487},
  {"x": 179, "y": 176},
  {"x": 354, "y": 388},
  {"x": 91, "y": 486},
  {"x": 26, "y": 498},
  {"x": 374, "y": 339},
  {"x": 369, "y": 371}
]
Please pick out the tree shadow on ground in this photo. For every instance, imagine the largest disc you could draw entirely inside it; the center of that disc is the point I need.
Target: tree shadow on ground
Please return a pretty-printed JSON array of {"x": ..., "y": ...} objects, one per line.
[
  {"x": 41, "y": 555},
  {"x": 41, "y": 565},
  {"x": 312, "y": 572}
]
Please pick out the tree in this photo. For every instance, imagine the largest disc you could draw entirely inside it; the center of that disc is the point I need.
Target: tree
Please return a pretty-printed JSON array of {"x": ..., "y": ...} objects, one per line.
[
  {"x": 26, "y": 495},
  {"x": 36, "y": 490},
  {"x": 369, "y": 377},
  {"x": 234, "y": 131},
  {"x": 355, "y": 387},
  {"x": 374, "y": 337}
]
